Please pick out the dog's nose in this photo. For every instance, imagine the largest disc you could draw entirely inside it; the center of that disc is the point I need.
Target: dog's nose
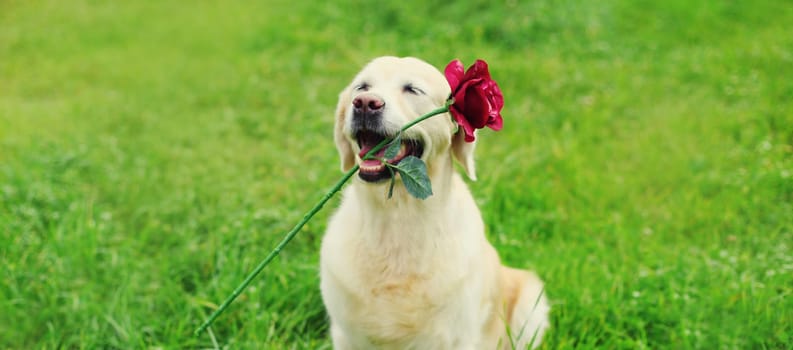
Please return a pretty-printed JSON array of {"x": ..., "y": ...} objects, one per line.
[{"x": 368, "y": 103}]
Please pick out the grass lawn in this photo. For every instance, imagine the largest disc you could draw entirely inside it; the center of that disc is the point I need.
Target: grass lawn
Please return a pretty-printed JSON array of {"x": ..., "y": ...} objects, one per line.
[{"x": 151, "y": 153}]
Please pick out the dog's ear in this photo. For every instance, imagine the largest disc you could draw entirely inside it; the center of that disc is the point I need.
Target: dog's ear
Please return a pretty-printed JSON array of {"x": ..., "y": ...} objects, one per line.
[
  {"x": 342, "y": 144},
  {"x": 464, "y": 153}
]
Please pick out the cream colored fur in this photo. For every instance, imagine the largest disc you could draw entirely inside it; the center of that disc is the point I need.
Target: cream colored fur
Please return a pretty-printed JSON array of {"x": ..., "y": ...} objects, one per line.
[{"x": 405, "y": 273}]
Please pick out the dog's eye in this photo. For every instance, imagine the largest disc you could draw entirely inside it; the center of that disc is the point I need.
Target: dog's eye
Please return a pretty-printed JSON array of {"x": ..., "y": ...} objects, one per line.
[
  {"x": 362, "y": 87},
  {"x": 412, "y": 90}
]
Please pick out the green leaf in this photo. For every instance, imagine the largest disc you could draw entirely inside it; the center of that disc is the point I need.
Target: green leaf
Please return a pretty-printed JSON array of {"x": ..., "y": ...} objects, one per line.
[
  {"x": 414, "y": 175},
  {"x": 393, "y": 147}
]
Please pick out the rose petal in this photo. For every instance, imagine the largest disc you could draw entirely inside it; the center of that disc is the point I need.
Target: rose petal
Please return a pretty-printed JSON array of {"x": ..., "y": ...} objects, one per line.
[
  {"x": 462, "y": 90},
  {"x": 469, "y": 134},
  {"x": 478, "y": 70},
  {"x": 477, "y": 107},
  {"x": 495, "y": 122},
  {"x": 459, "y": 99},
  {"x": 494, "y": 95},
  {"x": 454, "y": 74},
  {"x": 463, "y": 123}
]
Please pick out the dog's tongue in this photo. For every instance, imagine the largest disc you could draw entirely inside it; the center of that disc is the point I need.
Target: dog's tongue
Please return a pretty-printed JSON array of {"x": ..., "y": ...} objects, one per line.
[{"x": 371, "y": 162}]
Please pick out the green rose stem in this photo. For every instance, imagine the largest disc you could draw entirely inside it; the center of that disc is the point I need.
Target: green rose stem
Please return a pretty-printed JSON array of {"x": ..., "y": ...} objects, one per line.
[{"x": 292, "y": 233}]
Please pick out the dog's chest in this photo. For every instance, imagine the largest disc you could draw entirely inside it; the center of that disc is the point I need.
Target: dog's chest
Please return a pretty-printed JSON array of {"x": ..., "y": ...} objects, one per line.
[
  {"x": 394, "y": 301},
  {"x": 400, "y": 282},
  {"x": 402, "y": 312}
]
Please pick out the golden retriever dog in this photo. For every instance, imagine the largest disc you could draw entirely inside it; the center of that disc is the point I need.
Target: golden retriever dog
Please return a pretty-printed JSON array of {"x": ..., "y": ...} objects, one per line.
[{"x": 405, "y": 273}]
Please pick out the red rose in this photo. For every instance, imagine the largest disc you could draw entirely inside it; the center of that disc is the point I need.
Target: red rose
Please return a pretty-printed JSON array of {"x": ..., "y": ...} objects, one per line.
[{"x": 477, "y": 98}]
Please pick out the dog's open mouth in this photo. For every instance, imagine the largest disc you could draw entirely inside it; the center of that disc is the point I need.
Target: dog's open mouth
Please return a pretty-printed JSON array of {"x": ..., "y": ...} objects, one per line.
[{"x": 373, "y": 170}]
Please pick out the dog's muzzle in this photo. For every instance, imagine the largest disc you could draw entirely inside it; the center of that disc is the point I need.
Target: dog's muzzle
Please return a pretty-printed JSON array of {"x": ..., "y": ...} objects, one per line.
[
  {"x": 369, "y": 130},
  {"x": 367, "y": 112}
]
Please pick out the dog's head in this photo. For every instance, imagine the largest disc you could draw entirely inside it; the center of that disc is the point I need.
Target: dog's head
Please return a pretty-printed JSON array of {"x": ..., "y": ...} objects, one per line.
[{"x": 387, "y": 94}]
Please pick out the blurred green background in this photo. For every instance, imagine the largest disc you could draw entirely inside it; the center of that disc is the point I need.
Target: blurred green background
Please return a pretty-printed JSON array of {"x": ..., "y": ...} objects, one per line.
[{"x": 152, "y": 152}]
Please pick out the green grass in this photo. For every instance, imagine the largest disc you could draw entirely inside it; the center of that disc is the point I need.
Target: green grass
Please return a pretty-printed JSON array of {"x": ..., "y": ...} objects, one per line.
[{"x": 151, "y": 153}]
